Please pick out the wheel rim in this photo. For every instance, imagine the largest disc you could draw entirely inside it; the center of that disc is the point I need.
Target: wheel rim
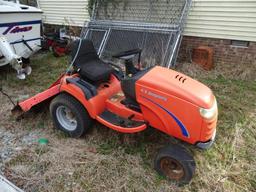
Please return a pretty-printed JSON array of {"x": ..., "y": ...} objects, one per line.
[
  {"x": 66, "y": 118},
  {"x": 172, "y": 168}
]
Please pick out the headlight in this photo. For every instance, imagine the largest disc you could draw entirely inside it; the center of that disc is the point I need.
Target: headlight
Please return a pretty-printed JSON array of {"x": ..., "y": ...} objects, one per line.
[{"x": 209, "y": 113}]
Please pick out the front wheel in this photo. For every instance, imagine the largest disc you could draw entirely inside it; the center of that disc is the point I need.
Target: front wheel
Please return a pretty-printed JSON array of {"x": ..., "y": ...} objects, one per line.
[
  {"x": 69, "y": 115},
  {"x": 175, "y": 163}
]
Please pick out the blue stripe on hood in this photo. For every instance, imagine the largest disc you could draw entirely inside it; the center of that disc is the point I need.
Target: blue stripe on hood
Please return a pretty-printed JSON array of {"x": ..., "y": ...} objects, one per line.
[{"x": 182, "y": 127}]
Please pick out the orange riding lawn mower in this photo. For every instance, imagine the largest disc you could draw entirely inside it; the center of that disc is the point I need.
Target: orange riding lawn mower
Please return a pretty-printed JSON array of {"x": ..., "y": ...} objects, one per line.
[{"x": 130, "y": 101}]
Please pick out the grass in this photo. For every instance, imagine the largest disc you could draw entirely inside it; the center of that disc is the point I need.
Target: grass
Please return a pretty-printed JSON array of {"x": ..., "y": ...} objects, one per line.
[
  {"x": 109, "y": 161},
  {"x": 45, "y": 71}
]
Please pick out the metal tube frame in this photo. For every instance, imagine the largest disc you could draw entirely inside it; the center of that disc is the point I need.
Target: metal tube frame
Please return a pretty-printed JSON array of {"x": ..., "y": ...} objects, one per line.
[{"x": 162, "y": 28}]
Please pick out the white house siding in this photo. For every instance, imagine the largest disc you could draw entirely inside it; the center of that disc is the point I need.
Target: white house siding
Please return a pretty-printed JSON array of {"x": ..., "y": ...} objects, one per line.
[
  {"x": 64, "y": 12},
  {"x": 223, "y": 19}
]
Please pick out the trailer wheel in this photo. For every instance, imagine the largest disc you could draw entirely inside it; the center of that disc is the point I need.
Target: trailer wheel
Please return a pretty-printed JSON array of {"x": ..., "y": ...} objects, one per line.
[
  {"x": 175, "y": 163},
  {"x": 70, "y": 116}
]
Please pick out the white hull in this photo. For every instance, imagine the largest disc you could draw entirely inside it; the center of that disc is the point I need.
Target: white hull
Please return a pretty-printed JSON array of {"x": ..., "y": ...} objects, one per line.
[{"x": 18, "y": 25}]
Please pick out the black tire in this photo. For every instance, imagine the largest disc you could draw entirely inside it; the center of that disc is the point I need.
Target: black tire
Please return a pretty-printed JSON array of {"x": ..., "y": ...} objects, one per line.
[
  {"x": 175, "y": 163},
  {"x": 79, "y": 114}
]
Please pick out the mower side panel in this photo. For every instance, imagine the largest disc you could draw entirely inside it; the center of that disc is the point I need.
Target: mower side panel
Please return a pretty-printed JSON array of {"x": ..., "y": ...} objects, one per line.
[
  {"x": 97, "y": 104},
  {"x": 78, "y": 94},
  {"x": 173, "y": 116},
  {"x": 40, "y": 97},
  {"x": 170, "y": 102},
  {"x": 117, "y": 107}
]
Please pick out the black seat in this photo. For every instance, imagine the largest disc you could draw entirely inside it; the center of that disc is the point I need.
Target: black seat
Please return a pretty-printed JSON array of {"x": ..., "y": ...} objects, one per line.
[
  {"x": 88, "y": 63},
  {"x": 128, "y": 84}
]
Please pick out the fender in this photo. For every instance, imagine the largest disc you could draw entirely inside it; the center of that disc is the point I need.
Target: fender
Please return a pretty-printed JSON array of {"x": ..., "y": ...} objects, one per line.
[
  {"x": 79, "y": 94},
  {"x": 89, "y": 90}
]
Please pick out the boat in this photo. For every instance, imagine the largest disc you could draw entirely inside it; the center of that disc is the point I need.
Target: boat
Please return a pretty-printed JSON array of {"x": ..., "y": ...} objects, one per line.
[{"x": 20, "y": 27}]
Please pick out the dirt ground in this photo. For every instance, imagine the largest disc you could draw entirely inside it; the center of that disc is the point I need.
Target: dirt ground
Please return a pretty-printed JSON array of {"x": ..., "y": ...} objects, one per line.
[{"x": 105, "y": 160}]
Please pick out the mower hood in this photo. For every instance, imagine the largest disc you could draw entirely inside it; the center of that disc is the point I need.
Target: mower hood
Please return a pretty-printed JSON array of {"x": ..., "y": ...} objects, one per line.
[{"x": 176, "y": 84}]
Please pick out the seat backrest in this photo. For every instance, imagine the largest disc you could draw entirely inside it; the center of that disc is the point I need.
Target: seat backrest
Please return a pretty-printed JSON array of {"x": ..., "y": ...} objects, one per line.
[{"x": 87, "y": 52}]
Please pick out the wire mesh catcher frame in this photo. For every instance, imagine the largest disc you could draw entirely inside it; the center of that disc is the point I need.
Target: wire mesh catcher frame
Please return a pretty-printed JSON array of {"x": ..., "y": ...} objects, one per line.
[{"x": 152, "y": 25}]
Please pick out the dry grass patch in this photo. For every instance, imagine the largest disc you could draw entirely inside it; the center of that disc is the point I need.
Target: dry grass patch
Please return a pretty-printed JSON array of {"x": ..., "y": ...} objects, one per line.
[{"x": 105, "y": 160}]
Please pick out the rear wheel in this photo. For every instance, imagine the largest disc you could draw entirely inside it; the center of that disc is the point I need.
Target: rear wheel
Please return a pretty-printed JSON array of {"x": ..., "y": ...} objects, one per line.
[
  {"x": 175, "y": 163},
  {"x": 70, "y": 116}
]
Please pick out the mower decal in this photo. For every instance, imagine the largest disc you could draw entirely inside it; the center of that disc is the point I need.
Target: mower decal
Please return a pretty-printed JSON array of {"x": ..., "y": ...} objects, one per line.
[
  {"x": 182, "y": 127},
  {"x": 153, "y": 94}
]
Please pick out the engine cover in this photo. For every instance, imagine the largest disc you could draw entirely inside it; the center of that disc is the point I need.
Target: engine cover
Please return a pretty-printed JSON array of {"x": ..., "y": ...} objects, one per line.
[{"x": 170, "y": 101}]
